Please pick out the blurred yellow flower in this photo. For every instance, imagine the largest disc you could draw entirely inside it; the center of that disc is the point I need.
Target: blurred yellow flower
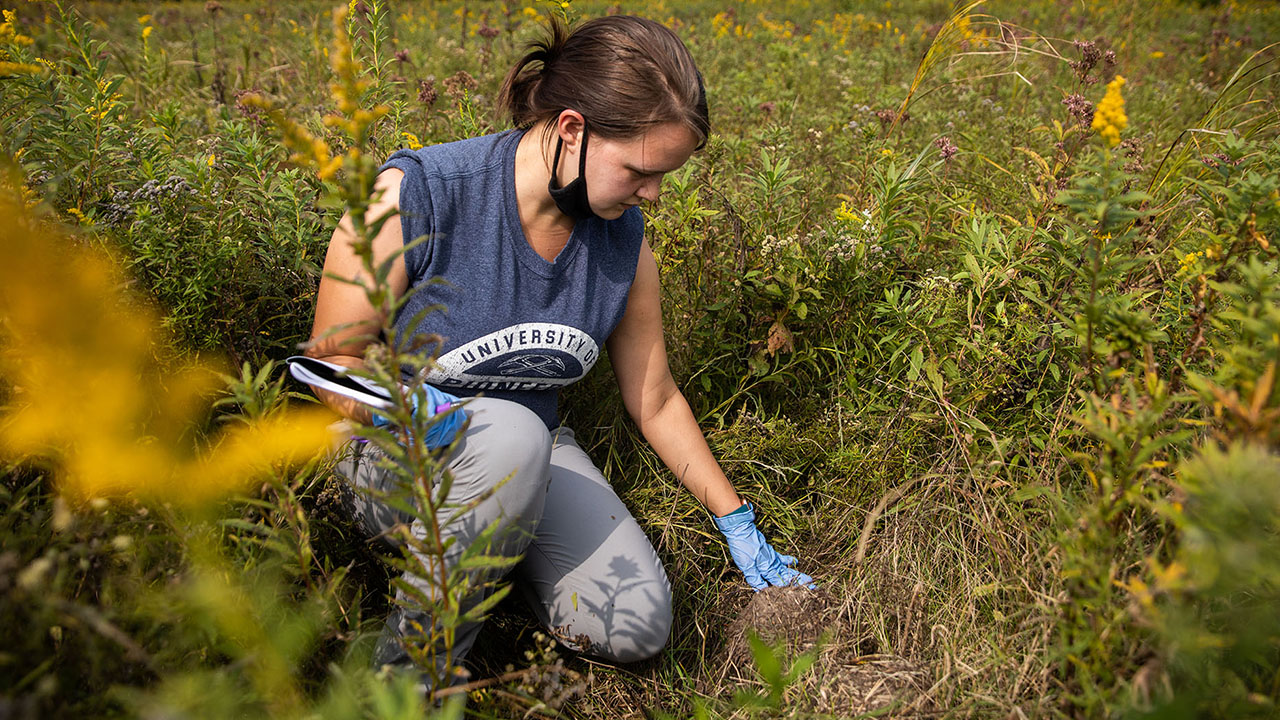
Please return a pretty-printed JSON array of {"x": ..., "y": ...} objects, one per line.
[
  {"x": 12, "y": 68},
  {"x": 75, "y": 213},
  {"x": 8, "y": 34},
  {"x": 92, "y": 399},
  {"x": 144, "y": 19},
  {"x": 1169, "y": 577},
  {"x": 722, "y": 24},
  {"x": 1109, "y": 118},
  {"x": 1156, "y": 54}
]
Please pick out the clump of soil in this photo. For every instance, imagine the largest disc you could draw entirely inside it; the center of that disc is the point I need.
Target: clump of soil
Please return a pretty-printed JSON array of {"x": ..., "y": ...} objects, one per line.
[
  {"x": 842, "y": 681},
  {"x": 797, "y": 615}
]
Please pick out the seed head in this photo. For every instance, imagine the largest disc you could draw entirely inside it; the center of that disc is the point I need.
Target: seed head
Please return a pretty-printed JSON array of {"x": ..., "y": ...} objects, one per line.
[
  {"x": 1089, "y": 56},
  {"x": 1080, "y": 108},
  {"x": 427, "y": 93},
  {"x": 459, "y": 84}
]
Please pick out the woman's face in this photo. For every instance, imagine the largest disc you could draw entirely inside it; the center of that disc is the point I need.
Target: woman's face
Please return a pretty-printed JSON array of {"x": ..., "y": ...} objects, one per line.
[{"x": 623, "y": 173}]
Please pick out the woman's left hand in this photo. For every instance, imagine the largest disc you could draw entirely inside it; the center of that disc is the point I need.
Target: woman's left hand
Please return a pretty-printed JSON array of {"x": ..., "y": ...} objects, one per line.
[
  {"x": 440, "y": 431},
  {"x": 759, "y": 562}
]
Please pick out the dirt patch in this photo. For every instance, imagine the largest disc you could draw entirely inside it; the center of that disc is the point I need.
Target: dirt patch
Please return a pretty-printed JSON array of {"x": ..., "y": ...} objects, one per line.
[
  {"x": 842, "y": 681},
  {"x": 870, "y": 684},
  {"x": 796, "y": 615}
]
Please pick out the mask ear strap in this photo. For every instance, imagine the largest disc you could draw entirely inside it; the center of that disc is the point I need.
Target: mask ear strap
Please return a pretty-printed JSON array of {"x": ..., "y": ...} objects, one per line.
[
  {"x": 555, "y": 164},
  {"x": 702, "y": 104},
  {"x": 582, "y": 158}
]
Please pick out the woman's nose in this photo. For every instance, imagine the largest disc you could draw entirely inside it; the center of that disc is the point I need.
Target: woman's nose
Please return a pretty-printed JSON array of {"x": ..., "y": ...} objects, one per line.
[{"x": 650, "y": 189}]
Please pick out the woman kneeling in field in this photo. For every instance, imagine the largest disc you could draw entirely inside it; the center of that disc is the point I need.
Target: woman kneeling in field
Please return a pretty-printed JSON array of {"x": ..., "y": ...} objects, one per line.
[{"x": 539, "y": 236}]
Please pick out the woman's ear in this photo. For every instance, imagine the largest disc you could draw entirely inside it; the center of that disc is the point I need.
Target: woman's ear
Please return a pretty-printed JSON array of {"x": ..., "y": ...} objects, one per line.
[{"x": 569, "y": 127}]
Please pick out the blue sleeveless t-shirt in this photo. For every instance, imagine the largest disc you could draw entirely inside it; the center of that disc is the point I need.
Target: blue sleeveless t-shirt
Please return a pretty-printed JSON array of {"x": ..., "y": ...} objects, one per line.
[{"x": 514, "y": 326}]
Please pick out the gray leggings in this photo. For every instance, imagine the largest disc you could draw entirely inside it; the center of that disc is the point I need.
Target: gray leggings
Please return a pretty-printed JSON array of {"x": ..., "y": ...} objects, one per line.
[{"x": 588, "y": 571}]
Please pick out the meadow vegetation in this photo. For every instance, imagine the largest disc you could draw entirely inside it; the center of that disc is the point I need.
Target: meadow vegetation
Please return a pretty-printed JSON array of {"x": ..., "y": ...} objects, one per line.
[{"x": 977, "y": 302}]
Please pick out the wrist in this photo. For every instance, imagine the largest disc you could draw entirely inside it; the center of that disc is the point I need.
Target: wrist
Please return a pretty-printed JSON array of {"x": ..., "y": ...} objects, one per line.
[
  {"x": 380, "y": 418},
  {"x": 723, "y": 501},
  {"x": 741, "y": 520},
  {"x": 740, "y": 510}
]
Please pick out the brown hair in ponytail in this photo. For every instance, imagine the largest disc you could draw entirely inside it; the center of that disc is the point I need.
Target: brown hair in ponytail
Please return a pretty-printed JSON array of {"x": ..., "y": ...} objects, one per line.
[{"x": 625, "y": 74}]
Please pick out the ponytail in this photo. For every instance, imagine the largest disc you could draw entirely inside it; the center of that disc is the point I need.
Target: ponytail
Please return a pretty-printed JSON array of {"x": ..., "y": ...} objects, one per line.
[{"x": 520, "y": 88}]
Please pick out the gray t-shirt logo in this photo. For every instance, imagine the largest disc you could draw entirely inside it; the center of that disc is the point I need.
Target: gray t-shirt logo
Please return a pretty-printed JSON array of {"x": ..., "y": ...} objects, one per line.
[{"x": 526, "y": 356}]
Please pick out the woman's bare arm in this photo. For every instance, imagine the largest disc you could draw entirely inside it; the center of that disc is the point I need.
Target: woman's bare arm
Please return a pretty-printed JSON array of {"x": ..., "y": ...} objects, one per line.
[
  {"x": 346, "y": 323},
  {"x": 639, "y": 358}
]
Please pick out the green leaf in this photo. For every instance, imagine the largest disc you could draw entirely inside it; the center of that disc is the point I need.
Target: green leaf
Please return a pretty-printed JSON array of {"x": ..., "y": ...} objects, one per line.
[
  {"x": 1027, "y": 493},
  {"x": 767, "y": 663},
  {"x": 801, "y": 666},
  {"x": 935, "y": 378},
  {"x": 917, "y": 359}
]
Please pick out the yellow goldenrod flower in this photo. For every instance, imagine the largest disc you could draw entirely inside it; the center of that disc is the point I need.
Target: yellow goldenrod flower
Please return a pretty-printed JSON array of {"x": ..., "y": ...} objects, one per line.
[
  {"x": 146, "y": 32},
  {"x": 721, "y": 24},
  {"x": 12, "y": 68},
  {"x": 348, "y": 87},
  {"x": 75, "y": 213},
  {"x": 1156, "y": 55},
  {"x": 211, "y": 160},
  {"x": 412, "y": 140},
  {"x": 329, "y": 169},
  {"x": 10, "y": 35},
  {"x": 1109, "y": 118},
  {"x": 1168, "y": 577},
  {"x": 846, "y": 213},
  {"x": 93, "y": 399},
  {"x": 144, "y": 19}
]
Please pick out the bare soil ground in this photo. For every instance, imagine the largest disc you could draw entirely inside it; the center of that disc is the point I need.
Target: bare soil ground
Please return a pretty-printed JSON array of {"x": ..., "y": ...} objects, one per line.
[{"x": 842, "y": 681}]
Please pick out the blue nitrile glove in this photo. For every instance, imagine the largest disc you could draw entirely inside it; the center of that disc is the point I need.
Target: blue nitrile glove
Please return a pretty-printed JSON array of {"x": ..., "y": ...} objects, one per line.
[
  {"x": 758, "y": 561},
  {"x": 442, "y": 431}
]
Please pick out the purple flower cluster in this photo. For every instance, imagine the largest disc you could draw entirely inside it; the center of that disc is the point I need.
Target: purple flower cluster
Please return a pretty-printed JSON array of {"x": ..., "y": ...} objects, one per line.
[
  {"x": 945, "y": 147},
  {"x": 120, "y": 209}
]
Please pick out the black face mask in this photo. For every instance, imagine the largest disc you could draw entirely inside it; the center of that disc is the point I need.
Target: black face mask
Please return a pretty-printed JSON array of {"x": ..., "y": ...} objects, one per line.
[{"x": 572, "y": 198}]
